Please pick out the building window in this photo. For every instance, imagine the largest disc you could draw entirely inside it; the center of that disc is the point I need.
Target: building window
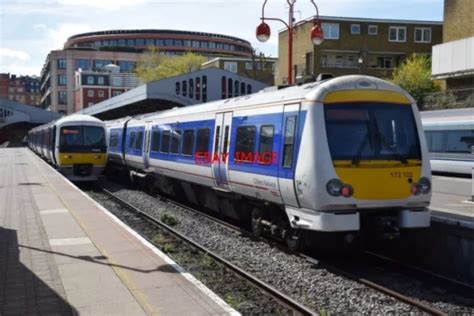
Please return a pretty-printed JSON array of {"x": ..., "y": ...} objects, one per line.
[
  {"x": 126, "y": 66},
  {"x": 101, "y": 93},
  {"x": 229, "y": 87},
  {"x": 169, "y": 42},
  {"x": 196, "y": 44},
  {"x": 187, "y": 43},
  {"x": 140, "y": 42},
  {"x": 185, "y": 88},
  {"x": 422, "y": 35},
  {"x": 116, "y": 93},
  {"x": 191, "y": 88},
  {"x": 100, "y": 64},
  {"x": 62, "y": 80},
  {"x": 178, "y": 43},
  {"x": 204, "y": 44},
  {"x": 90, "y": 93},
  {"x": 223, "y": 87},
  {"x": 204, "y": 88},
  {"x": 397, "y": 34},
  {"x": 212, "y": 45},
  {"x": 230, "y": 66},
  {"x": 372, "y": 29},
  {"x": 248, "y": 65},
  {"x": 62, "y": 97},
  {"x": 198, "y": 88},
  {"x": 331, "y": 30},
  {"x": 84, "y": 64},
  {"x": 149, "y": 42},
  {"x": 355, "y": 28},
  {"x": 121, "y": 42},
  {"x": 62, "y": 63},
  {"x": 100, "y": 80},
  {"x": 130, "y": 42},
  {"x": 385, "y": 62},
  {"x": 90, "y": 80}
]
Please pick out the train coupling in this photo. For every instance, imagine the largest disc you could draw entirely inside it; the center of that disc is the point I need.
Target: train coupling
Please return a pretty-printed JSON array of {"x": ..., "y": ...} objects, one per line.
[{"x": 386, "y": 228}]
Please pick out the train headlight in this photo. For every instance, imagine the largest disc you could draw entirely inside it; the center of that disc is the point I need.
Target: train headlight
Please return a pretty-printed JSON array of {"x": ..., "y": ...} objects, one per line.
[
  {"x": 424, "y": 184},
  {"x": 334, "y": 187},
  {"x": 347, "y": 190},
  {"x": 415, "y": 189}
]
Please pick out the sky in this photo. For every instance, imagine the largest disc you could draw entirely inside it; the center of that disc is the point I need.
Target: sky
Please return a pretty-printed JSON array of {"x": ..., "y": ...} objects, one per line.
[{"x": 30, "y": 29}]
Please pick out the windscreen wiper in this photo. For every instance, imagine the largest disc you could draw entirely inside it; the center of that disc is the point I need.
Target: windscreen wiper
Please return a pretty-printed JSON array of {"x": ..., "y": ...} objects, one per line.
[
  {"x": 360, "y": 149},
  {"x": 384, "y": 142}
]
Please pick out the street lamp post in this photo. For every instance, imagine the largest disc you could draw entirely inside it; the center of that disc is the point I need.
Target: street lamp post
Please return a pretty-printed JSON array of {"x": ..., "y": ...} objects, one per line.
[{"x": 263, "y": 32}]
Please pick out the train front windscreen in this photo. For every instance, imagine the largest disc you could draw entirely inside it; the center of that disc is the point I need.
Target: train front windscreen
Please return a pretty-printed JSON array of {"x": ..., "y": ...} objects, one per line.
[
  {"x": 82, "y": 139},
  {"x": 372, "y": 131}
]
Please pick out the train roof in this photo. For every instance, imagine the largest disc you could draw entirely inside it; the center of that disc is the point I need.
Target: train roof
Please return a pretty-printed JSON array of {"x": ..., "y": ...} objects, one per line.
[
  {"x": 450, "y": 116},
  {"x": 315, "y": 91}
]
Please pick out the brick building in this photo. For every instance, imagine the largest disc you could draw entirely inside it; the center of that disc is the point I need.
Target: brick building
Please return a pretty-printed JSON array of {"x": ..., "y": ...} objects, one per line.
[
  {"x": 355, "y": 46},
  {"x": 92, "y": 51},
  {"x": 92, "y": 87},
  {"x": 23, "y": 89}
]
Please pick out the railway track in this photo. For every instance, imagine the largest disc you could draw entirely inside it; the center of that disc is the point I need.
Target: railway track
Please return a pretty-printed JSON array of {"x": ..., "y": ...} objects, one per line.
[
  {"x": 350, "y": 275},
  {"x": 286, "y": 301}
]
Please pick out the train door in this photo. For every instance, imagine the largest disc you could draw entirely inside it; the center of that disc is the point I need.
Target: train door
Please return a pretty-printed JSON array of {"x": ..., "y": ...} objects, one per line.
[
  {"x": 220, "y": 152},
  {"x": 287, "y": 161},
  {"x": 146, "y": 145}
]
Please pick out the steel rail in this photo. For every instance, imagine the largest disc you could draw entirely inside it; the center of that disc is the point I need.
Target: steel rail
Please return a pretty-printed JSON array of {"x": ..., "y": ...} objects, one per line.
[
  {"x": 400, "y": 297},
  {"x": 280, "y": 297}
]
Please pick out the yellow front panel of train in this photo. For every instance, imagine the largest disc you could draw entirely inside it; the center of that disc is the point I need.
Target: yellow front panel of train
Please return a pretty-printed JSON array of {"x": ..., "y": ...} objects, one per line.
[
  {"x": 97, "y": 159},
  {"x": 375, "y": 180}
]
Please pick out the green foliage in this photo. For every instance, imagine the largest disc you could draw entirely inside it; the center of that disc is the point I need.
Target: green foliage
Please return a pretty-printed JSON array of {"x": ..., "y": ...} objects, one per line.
[
  {"x": 155, "y": 66},
  {"x": 158, "y": 239},
  {"x": 168, "y": 248},
  {"x": 440, "y": 100},
  {"x": 232, "y": 300},
  {"x": 414, "y": 75},
  {"x": 168, "y": 219}
]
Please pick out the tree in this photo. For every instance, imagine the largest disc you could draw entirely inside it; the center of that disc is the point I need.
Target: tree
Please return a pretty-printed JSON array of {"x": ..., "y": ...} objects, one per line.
[
  {"x": 155, "y": 66},
  {"x": 414, "y": 75}
]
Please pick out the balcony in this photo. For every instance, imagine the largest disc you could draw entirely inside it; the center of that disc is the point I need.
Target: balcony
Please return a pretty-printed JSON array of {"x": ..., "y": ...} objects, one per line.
[{"x": 453, "y": 59}]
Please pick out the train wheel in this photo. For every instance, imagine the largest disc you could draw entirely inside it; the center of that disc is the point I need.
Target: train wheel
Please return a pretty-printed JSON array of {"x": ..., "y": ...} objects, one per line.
[
  {"x": 292, "y": 239},
  {"x": 257, "y": 228}
]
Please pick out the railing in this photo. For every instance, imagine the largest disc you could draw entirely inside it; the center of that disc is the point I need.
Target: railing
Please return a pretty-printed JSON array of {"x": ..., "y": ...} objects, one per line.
[{"x": 339, "y": 65}]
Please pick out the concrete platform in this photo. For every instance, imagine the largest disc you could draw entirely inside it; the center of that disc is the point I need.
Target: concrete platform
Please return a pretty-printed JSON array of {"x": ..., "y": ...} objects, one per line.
[
  {"x": 61, "y": 253},
  {"x": 451, "y": 203}
]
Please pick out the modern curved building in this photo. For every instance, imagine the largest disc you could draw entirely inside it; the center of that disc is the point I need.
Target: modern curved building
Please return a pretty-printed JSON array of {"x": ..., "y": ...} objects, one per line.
[
  {"x": 170, "y": 41},
  {"x": 94, "y": 50}
]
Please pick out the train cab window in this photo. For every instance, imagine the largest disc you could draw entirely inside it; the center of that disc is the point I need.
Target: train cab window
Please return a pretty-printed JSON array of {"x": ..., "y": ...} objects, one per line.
[
  {"x": 94, "y": 136},
  {"x": 175, "y": 138},
  {"x": 265, "y": 149},
  {"x": 289, "y": 141},
  {"x": 131, "y": 142},
  {"x": 139, "y": 141},
  {"x": 188, "y": 142},
  {"x": 165, "y": 142},
  {"x": 71, "y": 136},
  {"x": 155, "y": 141},
  {"x": 245, "y": 143},
  {"x": 202, "y": 141}
]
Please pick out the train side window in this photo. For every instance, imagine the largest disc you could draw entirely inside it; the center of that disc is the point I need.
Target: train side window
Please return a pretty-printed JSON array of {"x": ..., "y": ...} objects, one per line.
[
  {"x": 202, "y": 141},
  {"x": 139, "y": 142},
  {"x": 289, "y": 141},
  {"x": 438, "y": 141},
  {"x": 155, "y": 141},
  {"x": 165, "y": 142},
  {"x": 226, "y": 139},
  {"x": 245, "y": 143},
  {"x": 131, "y": 143},
  {"x": 460, "y": 141},
  {"x": 188, "y": 142},
  {"x": 175, "y": 138},
  {"x": 265, "y": 149},
  {"x": 216, "y": 138}
]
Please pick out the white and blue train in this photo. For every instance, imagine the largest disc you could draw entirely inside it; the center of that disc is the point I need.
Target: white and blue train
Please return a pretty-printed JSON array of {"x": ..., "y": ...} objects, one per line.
[
  {"x": 329, "y": 156},
  {"x": 450, "y": 138}
]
